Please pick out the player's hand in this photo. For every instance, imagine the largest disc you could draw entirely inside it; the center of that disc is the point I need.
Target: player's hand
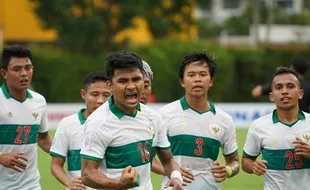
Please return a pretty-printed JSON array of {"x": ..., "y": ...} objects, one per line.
[
  {"x": 259, "y": 167},
  {"x": 14, "y": 160},
  {"x": 219, "y": 172},
  {"x": 301, "y": 148},
  {"x": 129, "y": 177},
  {"x": 187, "y": 175},
  {"x": 76, "y": 184},
  {"x": 175, "y": 183},
  {"x": 257, "y": 91}
]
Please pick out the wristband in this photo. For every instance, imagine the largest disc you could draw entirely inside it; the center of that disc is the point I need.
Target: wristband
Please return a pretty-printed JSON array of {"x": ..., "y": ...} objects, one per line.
[
  {"x": 176, "y": 174},
  {"x": 228, "y": 171}
]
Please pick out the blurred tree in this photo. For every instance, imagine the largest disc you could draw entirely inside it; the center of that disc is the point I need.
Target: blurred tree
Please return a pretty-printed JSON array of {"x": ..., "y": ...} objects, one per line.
[
  {"x": 86, "y": 25},
  {"x": 91, "y": 25}
]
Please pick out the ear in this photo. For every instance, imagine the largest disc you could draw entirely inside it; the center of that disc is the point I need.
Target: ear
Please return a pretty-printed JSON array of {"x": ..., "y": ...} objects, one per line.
[
  {"x": 4, "y": 73},
  {"x": 271, "y": 98},
  {"x": 211, "y": 82},
  {"x": 83, "y": 93},
  {"x": 182, "y": 83},
  {"x": 301, "y": 93}
]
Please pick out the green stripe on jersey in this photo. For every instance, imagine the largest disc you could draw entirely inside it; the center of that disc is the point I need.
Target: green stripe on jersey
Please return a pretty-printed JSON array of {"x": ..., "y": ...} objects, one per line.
[
  {"x": 194, "y": 146},
  {"x": 284, "y": 159},
  {"x": 134, "y": 154},
  {"x": 74, "y": 160},
  {"x": 18, "y": 134}
]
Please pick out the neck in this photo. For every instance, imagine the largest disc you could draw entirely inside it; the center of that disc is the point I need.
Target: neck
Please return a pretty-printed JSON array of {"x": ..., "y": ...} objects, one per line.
[
  {"x": 288, "y": 116},
  {"x": 17, "y": 94},
  {"x": 86, "y": 113},
  {"x": 126, "y": 110},
  {"x": 198, "y": 103}
]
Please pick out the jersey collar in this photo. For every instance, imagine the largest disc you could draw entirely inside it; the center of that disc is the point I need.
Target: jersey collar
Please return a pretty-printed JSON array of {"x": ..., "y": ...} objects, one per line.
[
  {"x": 275, "y": 118},
  {"x": 8, "y": 95},
  {"x": 81, "y": 116},
  {"x": 118, "y": 112},
  {"x": 185, "y": 106}
]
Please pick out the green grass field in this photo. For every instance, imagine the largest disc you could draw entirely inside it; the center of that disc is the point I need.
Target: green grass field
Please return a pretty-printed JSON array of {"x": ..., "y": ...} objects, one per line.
[{"x": 242, "y": 181}]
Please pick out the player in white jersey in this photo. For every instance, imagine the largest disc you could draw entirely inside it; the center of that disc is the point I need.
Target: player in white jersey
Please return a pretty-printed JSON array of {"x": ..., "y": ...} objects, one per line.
[
  {"x": 120, "y": 133},
  {"x": 23, "y": 122},
  {"x": 197, "y": 129},
  {"x": 282, "y": 137},
  {"x": 67, "y": 142}
]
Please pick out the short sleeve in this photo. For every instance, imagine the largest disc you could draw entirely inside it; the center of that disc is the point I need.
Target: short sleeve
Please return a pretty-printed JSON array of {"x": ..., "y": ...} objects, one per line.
[
  {"x": 229, "y": 145},
  {"x": 253, "y": 145},
  {"x": 60, "y": 145},
  {"x": 44, "y": 122},
  {"x": 162, "y": 141},
  {"x": 97, "y": 138}
]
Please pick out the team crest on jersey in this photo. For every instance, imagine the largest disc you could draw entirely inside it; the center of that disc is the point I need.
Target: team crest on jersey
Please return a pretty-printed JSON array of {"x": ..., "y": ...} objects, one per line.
[
  {"x": 215, "y": 129},
  {"x": 10, "y": 114},
  {"x": 35, "y": 115},
  {"x": 305, "y": 136}
]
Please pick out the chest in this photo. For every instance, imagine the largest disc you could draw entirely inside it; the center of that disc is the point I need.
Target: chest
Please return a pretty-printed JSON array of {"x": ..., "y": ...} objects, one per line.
[
  {"x": 13, "y": 112},
  {"x": 280, "y": 136},
  {"x": 202, "y": 125}
]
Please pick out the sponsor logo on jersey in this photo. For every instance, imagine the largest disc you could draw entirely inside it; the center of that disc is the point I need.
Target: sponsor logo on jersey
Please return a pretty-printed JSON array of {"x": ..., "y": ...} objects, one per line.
[{"x": 215, "y": 129}]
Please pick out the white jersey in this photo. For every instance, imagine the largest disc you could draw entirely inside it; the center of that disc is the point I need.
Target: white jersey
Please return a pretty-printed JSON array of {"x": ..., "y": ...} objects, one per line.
[
  {"x": 118, "y": 140},
  {"x": 67, "y": 142},
  {"x": 285, "y": 170},
  {"x": 20, "y": 123},
  {"x": 196, "y": 138}
]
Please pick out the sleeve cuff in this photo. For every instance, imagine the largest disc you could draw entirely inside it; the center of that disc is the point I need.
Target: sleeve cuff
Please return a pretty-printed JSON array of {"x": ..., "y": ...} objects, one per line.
[
  {"x": 57, "y": 155},
  {"x": 249, "y": 156},
  {"x": 91, "y": 158}
]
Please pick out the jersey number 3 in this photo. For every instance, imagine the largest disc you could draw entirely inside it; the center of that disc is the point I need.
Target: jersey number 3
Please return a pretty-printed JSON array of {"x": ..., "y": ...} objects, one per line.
[
  {"x": 198, "y": 150},
  {"x": 20, "y": 130},
  {"x": 298, "y": 159}
]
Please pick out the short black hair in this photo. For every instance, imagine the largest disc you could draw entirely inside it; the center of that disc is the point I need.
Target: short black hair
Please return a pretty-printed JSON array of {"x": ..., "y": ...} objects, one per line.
[
  {"x": 200, "y": 56},
  {"x": 300, "y": 64},
  {"x": 13, "y": 51},
  {"x": 122, "y": 60},
  {"x": 93, "y": 77},
  {"x": 285, "y": 70}
]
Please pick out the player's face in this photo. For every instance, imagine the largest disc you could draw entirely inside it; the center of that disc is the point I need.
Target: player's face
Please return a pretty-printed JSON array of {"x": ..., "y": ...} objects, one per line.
[
  {"x": 18, "y": 76},
  {"x": 127, "y": 88},
  {"x": 147, "y": 90},
  {"x": 286, "y": 92},
  {"x": 96, "y": 94},
  {"x": 197, "y": 79}
]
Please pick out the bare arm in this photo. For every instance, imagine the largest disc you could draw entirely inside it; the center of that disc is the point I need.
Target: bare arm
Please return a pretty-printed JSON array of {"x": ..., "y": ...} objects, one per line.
[
  {"x": 252, "y": 165},
  {"x": 233, "y": 162},
  {"x": 92, "y": 177},
  {"x": 167, "y": 161},
  {"x": 44, "y": 141},
  {"x": 58, "y": 170},
  {"x": 247, "y": 164},
  {"x": 157, "y": 167}
]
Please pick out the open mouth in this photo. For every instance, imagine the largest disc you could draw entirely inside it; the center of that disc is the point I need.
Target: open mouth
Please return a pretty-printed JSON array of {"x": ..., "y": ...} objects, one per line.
[
  {"x": 24, "y": 82},
  {"x": 285, "y": 99},
  {"x": 131, "y": 98}
]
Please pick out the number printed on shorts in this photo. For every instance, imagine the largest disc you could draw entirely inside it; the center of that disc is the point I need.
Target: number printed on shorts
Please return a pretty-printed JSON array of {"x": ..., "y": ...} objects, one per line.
[
  {"x": 20, "y": 130},
  {"x": 198, "y": 150},
  {"x": 298, "y": 160},
  {"x": 145, "y": 154}
]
